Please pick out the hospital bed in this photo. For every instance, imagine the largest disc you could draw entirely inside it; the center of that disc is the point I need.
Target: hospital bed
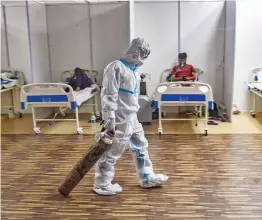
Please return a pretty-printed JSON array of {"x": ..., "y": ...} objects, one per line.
[
  {"x": 255, "y": 87},
  {"x": 184, "y": 94},
  {"x": 54, "y": 95},
  {"x": 199, "y": 72},
  {"x": 11, "y": 81}
]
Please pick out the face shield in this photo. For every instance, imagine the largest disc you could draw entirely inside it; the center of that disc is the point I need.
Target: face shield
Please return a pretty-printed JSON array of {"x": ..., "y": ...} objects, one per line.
[
  {"x": 137, "y": 52},
  {"x": 144, "y": 53}
]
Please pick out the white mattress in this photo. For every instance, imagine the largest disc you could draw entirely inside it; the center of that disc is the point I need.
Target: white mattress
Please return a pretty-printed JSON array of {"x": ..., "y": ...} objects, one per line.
[
  {"x": 259, "y": 86},
  {"x": 256, "y": 86},
  {"x": 84, "y": 94}
]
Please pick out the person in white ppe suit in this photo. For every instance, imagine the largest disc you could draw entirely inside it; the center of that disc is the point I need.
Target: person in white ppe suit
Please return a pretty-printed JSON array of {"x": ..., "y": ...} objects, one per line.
[{"x": 119, "y": 97}]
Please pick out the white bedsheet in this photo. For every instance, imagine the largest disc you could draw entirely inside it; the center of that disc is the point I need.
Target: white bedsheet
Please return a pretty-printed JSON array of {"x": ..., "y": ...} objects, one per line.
[
  {"x": 256, "y": 85},
  {"x": 84, "y": 94},
  {"x": 259, "y": 86}
]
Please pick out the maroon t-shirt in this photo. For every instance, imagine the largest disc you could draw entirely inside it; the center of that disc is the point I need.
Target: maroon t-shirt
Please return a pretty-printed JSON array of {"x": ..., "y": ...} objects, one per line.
[{"x": 186, "y": 71}]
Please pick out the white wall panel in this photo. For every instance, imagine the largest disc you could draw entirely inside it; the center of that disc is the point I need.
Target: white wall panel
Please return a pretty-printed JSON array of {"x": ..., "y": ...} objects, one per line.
[
  {"x": 110, "y": 32},
  {"x": 248, "y": 50},
  {"x": 202, "y": 38},
  {"x": 68, "y": 28},
  {"x": 132, "y": 19},
  {"x": 18, "y": 42},
  {"x": 12, "y": 3},
  {"x": 39, "y": 45},
  {"x": 157, "y": 23}
]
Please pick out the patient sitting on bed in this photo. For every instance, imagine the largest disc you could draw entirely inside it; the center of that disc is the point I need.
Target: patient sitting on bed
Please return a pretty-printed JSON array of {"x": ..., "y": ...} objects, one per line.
[
  {"x": 80, "y": 80},
  {"x": 183, "y": 71}
]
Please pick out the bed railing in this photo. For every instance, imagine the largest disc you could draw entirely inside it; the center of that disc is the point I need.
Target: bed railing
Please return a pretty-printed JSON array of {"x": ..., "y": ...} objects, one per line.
[
  {"x": 184, "y": 94},
  {"x": 41, "y": 94}
]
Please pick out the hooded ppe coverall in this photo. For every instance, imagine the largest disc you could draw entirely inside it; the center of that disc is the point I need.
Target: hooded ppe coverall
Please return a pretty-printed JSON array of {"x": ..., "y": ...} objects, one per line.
[{"x": 119, "y": 97}]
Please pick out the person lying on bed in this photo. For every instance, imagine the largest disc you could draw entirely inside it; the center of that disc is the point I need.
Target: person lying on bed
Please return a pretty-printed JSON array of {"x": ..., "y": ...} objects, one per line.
[
  {"x": 183, "y": 71},
  {"x": 80, "y": 80}
]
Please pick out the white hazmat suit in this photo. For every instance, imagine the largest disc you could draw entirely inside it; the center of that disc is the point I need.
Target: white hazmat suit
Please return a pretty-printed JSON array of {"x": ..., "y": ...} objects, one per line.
[{"x": 119, "y": 97}]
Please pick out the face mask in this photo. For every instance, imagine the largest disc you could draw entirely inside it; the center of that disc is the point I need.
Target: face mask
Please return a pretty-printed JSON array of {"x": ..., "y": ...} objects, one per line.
[{"x": 182, "y": 62}]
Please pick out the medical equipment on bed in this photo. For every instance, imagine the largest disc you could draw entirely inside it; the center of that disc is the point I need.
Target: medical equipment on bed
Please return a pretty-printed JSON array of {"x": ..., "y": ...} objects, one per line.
[
  {"x": 184, "y": 94},
  {"x": 255, "y": 86}
]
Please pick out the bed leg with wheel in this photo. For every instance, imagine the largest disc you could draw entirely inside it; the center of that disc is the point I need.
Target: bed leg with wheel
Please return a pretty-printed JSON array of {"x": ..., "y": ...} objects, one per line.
[
  {"x": 94, "y": 104},
  {"x": 160, "y": 130},
  {"x": 200, "y": 111},
  {"x": 253, "y": 113},
  {"x": 78, "y": 129},
  {"x": 36, "y": 129},
  {"x": 196, "y": 122},
  {"x": 206, "y": 118}
]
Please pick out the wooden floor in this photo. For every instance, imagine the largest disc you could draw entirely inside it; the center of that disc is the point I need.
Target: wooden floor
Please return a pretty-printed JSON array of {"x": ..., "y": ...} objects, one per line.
[
  {"x": 242, "y": 124},
  {"x": 216, "y": 177}
]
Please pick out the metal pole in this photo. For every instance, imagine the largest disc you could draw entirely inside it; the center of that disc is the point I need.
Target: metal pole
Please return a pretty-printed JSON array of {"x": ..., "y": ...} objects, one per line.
[
  {"x": 179, "y": 27},
  {"x": 48, "y": 46},
  {"x": 6, "y": 38},
  {"x": 91, "y": 35},
  {"x": 30, "y": 42}
]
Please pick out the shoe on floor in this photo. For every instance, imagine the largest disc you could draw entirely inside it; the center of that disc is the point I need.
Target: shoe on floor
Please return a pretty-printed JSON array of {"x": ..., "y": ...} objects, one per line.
[
  {"x": 154, "y": 181},
  {"x": 111, "y": 189}
]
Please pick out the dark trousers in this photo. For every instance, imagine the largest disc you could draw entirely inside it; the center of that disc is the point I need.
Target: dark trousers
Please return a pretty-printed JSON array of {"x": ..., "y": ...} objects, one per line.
[{"x": 80, "y": 80}]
